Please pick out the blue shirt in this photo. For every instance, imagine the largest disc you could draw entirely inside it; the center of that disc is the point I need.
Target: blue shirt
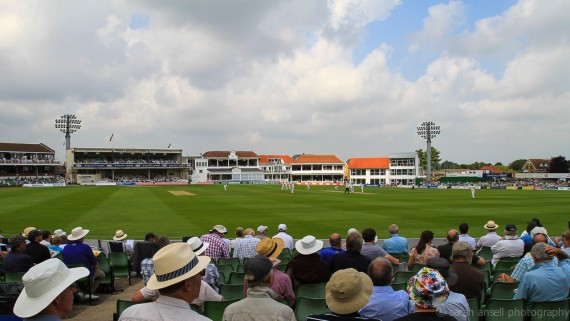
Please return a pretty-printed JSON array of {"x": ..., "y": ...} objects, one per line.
[
  {"x": 545, "y": 282},
  {"x": 328, "y": 253},
  {"x": 456, "y": 306},
  {"x": 395, "y": 244},
  {"x": 386, "y": 304},
  {"x": 76, "y": 252}
]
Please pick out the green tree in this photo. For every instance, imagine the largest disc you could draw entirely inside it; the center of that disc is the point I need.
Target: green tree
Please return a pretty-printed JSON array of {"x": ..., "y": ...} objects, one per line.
[
  {"x": 449, "y": 165},
  {"x": 435, "y": 159},
  {"x": 517, "y": 165},
  {"x": 558, "y": 164}
]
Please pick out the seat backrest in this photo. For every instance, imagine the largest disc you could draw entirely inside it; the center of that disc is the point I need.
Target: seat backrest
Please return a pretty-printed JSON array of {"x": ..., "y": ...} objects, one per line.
[
  {"x": 506, "y": 263},
  {"x": 403, "y": 276},
  {"x": 502, "y": 290},
  {"x": 237, "y": 278},
  {"x": 234, "y": 262},
  {"x": 215, "y": 309},
  {"x": 115, "y": 247},
  {"x": 473, "y": 309},
  {"x": 226, "y": 269},
  {"x": 232, "y": 291},
  {"x": 307, "y": 306},
  {"x": 399, "y": 286},
  {"x": 504, "y": 310},
  {"x": 314, "y": 291},
  {"x": 122, "y": 305},
  {"x": 550, "y": 311}
]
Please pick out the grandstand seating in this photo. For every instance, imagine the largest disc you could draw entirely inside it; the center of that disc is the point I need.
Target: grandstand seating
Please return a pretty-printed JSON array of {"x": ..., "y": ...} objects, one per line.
[
  {"x": 120, "y": 265},
  {"x": 215, "y": 309},
  {"x": 504, "y": 310},
  {"x": 105, "y": 266},
  {"x": 234, "y": 262},
  {"x": 122, "y": 305},
  {"x": 232, "y": 291},
  {"x": 314, "y": 291},
  {"x": 226, "y": 269},
  {"x": 502, "y": 290},
  {"x": 550, "y": 311},
  {"x": 486, "y": 253},
  {"x": 473, "y": 309},
  {"x": 307, "y": 306},
  {"x": 237, "y": 278},
  {"x": 400, "y": 286},
  {"x": 507, "y": 263},
  {"x": 83, "y": 283},
  {"x": 403, "y": 276}
]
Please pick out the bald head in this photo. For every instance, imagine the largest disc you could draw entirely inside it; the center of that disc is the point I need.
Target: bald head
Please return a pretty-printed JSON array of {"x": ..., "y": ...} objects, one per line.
[
  {"x": 539, "y": 238},
  {"x": 335, "y": 240},
  {"x": 452, "y": 236},
  {"x": 380, "y": 271}
]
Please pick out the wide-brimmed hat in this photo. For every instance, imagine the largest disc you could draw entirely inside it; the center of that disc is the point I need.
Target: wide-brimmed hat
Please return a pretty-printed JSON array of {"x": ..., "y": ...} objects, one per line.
[
  {"x": 175, "y": 263},
  {"x": 220, "y": 229},
  {"x": 27, "y": 231},
  {"x": 308, "y": 245},
  {"x": 428, "y": 289},
  {"x": 282, "y": 227},
  {"x": 43, "y": 283},
  {"x": 59, "y": 232},
  {"x": 491, "y": 225},
  {"x": 270, "y": 247},
  {"x": 119, "y": 235},
  {"x": 443, "y": 267},
  {"x": 197, "y": 245},
  {"x": 348, "y": 291},
  {"x": 77, "y": 234}
]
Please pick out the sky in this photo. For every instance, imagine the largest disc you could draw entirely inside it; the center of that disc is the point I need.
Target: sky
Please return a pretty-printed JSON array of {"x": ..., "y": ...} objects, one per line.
[{"x": 353, "y": 78}]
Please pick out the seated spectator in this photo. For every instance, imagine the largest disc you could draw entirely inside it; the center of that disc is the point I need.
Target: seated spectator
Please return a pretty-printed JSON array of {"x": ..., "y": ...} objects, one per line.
[
  {"x": 246, "y": 247},
  {"x": 218, "y": 248},
  {"x": 261, "y": 232},
  {"x": 510, "y": 246},
  {"x": 385, "y": 303},
  {"x": 565, "y": 240},
  {"x": 77, "y": 252},
  {"x": 491, "y": 237},
  {"x": 307, "y": 266},
  {"x": 527, "y": 238},
  {"x": 546, "y": 281},
  {"x": 395, "y": 244},
  {"x": 327, "y": 253},
  {"x": 445, "y": 249},
  {"x": 282, "y": 283},
  {"x": 470, "y": 280},
  {"x": 121, "y": 236},
  {"x": 371, "y": 250},
  {"x": 428, "y": 290},
  {"x": 35, "y": 250},
  {"x": 259, "y": 303},
  {"x": 56, "y": 245},
  {"x": 464, "y": 236},
  {"x": 177, "y": 278},
  {"x": 150, "y": 237},
  {"x": 16, "y": 260},
  {"x": 347, "y": 292},
  {"x": 423, "y": 251},
  {"x": 46, "y": 238},
  {"x": 48, "y": 291},
  {"x": 538, "y": 224},
  {"x": 287, "y": 239},
  {"x": 352, "y": 257}
]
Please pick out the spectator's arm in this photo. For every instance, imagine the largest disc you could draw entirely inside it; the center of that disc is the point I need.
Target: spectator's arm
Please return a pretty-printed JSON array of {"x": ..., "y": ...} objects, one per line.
[
  {"x": 392, "y": 259},
  {"x": 560, "y": 254}
]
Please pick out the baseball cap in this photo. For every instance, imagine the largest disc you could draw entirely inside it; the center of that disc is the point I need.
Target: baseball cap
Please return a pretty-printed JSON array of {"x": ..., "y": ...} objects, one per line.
[
  {"x": 510, "y": 227},
  {"x": 261, "y": 228},
  {"x": 282, "y": 227},
  {"x": 257, "y": 268}
]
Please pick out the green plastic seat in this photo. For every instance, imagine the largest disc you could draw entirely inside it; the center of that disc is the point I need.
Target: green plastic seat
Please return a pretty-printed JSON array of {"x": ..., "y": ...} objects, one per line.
[
  {"x": 403, "y": 276},
  {"x": 122, "y": 305},
  {"x": 307, "y": 306},
  {"x": 226, "y": 269},
  {"x": 234, "y": 262},
  {"x": 11, "y": 277},
  {"x": 503, "y": 291},
  {"x": 314, "y": 291},
  {"x": 120, "y": 265},
  {"x": 416, "y": 268},
  {"x": 486, "y": 253},
  {"x": 507, "y": 263},
  {"x": 232, "y": 291},
  {"x": 237, "y": 278},
  {"x": 473, "y": 309},
  {"x": 105, "y": 266},
  {"x": 504, "y": 310},
  {"x": 215, "y": 309},
  {"x": 550, "y": 311},
  {"x": 400, "y": 286}
]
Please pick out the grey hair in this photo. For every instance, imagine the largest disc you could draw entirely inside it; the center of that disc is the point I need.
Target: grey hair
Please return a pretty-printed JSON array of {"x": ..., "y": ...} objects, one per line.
[
  {"x": 539, "y": 253},
  {"x": 393, "y": 229}
]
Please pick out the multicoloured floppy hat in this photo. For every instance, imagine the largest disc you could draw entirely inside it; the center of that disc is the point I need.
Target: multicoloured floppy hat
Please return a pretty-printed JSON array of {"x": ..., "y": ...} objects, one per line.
[{"x": 428, "y": 289}]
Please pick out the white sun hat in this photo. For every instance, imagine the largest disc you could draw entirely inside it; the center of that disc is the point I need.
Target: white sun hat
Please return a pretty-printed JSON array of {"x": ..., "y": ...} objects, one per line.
[
  {"x": 174, "y": 263},
  {"x": 308, "y": 245},
  {"x": 77, "y": 234},
  {"x": 197, "y": 245},
  {"x": 43, "y": 283}
]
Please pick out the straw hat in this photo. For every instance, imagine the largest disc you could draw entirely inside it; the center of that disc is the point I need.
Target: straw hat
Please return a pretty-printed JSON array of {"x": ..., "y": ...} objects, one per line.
[
  {"x": 43, "y": 283},
  {"x": 27, "y": 230},
  {"x": 308, "y": 245},
  {"x": 197, "y": 245},
  {"x": 59, "y": 232},
  {"x": 119, "y": 235},
  {"x": 348, "y": 291},
  {"x": 77, "y": 234},
  {"x": 270, "y": 247},
  {"x": 175, "y": 263},
  {"x": 490, "y": 225},
  {"x": 220, "y": 229}
]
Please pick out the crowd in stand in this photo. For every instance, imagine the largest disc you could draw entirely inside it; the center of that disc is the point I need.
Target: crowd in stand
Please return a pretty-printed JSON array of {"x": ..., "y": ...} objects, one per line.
[
  {"x": 19, "y": 181},
  {"x": 358, "y": 272},
  {"x": 125, "y": 161}
]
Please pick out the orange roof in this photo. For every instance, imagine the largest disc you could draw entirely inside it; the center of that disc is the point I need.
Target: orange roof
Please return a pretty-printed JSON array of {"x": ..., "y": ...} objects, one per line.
[
  {"x": 218, "y": 154},
  {"x": 317, "y": 159},
  {"x": 491, "y": 169},
  {"x": 371, "y": 162},
  {"x": 264, "y": 159}
]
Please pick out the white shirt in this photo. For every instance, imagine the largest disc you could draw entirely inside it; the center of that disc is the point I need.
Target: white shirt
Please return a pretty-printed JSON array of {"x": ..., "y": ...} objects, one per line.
[
  {"x": 488, "y": 240},
  {"x": 287, "y": 239},
  {"x": 511, "y": 246},
  {"x": 206, "y": 294},
  {"x": 165, "y": 308},
  {"x": 468, "y": 239}
]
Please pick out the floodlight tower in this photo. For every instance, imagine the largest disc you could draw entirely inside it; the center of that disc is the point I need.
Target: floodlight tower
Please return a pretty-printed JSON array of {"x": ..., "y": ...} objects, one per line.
[
  {"x": 428, "y": 130},
  {"x": 68, "y": 124}
]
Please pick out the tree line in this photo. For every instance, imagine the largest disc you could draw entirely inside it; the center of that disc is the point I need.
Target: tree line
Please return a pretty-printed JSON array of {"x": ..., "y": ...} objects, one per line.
[{"x": 558, "y": 164}]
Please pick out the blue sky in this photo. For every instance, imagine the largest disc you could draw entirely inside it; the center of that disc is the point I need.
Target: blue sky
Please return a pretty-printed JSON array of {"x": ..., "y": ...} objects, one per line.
[{"x": 346, "y": 77}]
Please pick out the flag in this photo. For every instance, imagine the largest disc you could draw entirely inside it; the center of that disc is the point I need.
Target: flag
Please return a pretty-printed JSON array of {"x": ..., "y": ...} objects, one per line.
[
  {"x": 110, "y": 139},
  {"x": 169, "y": 145}
]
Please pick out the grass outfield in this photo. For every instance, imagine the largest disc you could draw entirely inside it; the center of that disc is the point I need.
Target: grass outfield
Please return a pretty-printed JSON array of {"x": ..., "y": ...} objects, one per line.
[{"x": 319, "y": 211}]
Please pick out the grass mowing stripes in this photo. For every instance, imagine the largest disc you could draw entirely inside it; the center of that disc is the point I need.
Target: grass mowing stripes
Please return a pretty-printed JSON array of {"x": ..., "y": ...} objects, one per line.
[{"x": 319, "y": 211}]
